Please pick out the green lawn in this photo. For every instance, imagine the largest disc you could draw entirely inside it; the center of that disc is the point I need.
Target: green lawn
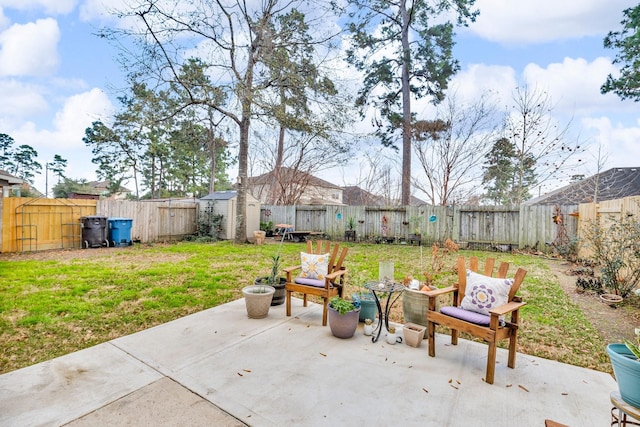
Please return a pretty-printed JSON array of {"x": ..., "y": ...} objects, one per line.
[{"x": 64, "y": 301}]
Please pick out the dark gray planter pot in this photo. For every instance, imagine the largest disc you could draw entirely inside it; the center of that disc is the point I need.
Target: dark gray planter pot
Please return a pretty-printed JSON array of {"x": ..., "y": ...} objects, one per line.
[
  {"x": 278, "y": 296},
  {"x": 343, "y": 326}
]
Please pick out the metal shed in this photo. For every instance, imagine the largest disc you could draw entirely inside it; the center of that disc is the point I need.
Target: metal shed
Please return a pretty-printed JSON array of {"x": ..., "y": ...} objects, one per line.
[{"x": 225, "y": 203}]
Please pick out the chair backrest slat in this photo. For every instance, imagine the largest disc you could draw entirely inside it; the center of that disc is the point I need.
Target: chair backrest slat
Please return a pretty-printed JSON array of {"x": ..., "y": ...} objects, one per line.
[
  {"x": 323, "y": 247},
  {"x": 517, "y": 281},
  {"x": 502, "y": 271},
  {"x": 488, "y": 267},
  {"x": 474, "y": 264}
]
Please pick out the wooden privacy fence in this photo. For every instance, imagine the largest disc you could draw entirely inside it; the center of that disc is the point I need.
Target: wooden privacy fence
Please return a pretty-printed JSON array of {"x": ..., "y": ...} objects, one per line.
[
  {"x": 498, "y": 227},
  {"x": 39, "y": 224},
  {"x": 35, "y": 224},
  {"x": 154, "y": 220}
]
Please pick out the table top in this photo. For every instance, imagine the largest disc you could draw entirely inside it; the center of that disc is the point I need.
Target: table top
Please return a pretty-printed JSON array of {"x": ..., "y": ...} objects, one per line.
[{"x": 378, "y": 286}]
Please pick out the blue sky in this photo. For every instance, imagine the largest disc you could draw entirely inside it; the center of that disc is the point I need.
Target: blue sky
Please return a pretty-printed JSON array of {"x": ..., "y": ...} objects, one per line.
[{"x": 57, "y": 76}]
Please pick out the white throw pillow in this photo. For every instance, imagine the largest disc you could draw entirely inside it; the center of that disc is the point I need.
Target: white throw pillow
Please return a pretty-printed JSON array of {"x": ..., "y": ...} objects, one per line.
[
  {"x": 314, "y": 266},
  {"x": 484, "y": 293}
]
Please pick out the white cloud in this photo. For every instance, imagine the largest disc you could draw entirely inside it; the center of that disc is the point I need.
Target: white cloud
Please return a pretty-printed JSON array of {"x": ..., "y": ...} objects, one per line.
[
  {"x": 64, "y": 136},
  {"x": 539, "y": 21},
  {"x": 574, "y": 85},
  {"x": 478, "y": 80},
  {"x": 78, "y": 113},
  {"x": 619, "y": 143},
  {"x": 20, "y": 100},
  {"x": 48, "y": 6},
  {"x": 97, "y": 10},
  {"x": 30, "y": 49}
]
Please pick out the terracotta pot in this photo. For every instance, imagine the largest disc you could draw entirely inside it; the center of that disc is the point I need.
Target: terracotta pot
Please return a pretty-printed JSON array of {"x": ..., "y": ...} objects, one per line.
[{"x": 610, "y": 299}]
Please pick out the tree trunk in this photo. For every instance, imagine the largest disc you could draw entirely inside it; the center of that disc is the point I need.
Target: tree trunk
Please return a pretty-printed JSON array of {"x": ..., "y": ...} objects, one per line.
[{"x": 406, "y": 108}]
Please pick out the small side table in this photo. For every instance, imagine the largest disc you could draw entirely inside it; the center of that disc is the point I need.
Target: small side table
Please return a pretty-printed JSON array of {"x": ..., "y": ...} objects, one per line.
[
  {"x": 389, "y": 289},
  {"x": 622, "y": 411}
]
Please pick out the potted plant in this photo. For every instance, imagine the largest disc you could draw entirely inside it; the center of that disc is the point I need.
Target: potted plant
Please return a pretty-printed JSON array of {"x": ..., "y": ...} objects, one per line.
[
  {"x": 368, "y": 307},
  {"x": 391, "y": 336},
  {"x": 625, "y": 359},
  {"x": 258, "y": 300},
  {"x": 262, "y": 294},
  {"x": 413, "y": 334},
  {"x": 350, "y": 234},
  {"x": 273, "y": 279},
  {"x": 414, "y": 301},
  {"x": 343, "y": 317},
  {"x": 267, "y": 227},
  {"x": 368, "y": 326}
]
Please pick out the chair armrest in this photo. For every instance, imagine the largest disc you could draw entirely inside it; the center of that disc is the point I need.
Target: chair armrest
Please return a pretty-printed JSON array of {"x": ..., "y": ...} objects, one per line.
[
  {"x": 507, "y": 308},
  {"x": 335, "y": 274},
  {"x": 288, "y": 270},
  {"x": 437, "y": 292}
]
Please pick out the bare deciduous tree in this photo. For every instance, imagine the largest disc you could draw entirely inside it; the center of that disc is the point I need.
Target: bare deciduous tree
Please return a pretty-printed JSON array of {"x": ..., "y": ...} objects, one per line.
[
  {"x": 451, "y": 148},
  {"x": 537, "y": 138}
]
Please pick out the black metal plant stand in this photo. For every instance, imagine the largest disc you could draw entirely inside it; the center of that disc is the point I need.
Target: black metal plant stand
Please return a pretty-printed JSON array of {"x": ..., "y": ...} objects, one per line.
[{"x": 383, "y": 288}]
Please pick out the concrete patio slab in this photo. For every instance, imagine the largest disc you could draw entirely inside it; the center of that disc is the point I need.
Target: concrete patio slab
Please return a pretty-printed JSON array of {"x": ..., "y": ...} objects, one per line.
[
  {"x": 162, "y": 403},
  {"x": 63, "y": 389},
  {"x": 220, "y": 366}
]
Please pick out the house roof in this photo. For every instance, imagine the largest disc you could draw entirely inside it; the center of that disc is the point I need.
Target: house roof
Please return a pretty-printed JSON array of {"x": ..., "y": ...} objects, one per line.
[
  {"x": 356, "y": 196},
  {"x": 612, "y": 184},
  {"x": 291, "y": 175},
  {"x": 104, "y": 186},
  {"x": 7, "y": 179}
]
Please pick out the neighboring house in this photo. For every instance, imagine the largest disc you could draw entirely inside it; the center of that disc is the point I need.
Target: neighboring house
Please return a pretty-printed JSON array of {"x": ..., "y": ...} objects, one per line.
[
  {"x": 101, "y": 188},
  {"x": 293, "y": 187},
  {"x": 8, "y": 182},
  {"x": 356, "y": 196},
  {"x": 614, "y": 183}
]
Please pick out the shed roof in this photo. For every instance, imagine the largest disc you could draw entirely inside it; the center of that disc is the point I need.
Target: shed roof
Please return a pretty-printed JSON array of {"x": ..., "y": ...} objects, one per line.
[{"x": 221, "y": 195}]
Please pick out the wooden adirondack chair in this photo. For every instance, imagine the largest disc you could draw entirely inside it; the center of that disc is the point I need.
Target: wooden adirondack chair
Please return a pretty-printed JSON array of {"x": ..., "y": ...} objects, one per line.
[
  {"x": 488, "y": 327},
  {"x": 326, "y": 286}
]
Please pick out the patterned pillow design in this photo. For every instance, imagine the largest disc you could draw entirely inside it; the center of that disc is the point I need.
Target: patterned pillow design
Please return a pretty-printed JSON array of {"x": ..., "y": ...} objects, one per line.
[
  {"x": 314, "y": 266},
  {"x": 485, "y": 293}
]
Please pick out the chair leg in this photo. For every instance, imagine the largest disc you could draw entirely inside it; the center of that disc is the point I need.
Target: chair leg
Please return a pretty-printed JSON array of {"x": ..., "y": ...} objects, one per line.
[
  {"x": 491, "y": 363},
  {"x": 454, "y": 337},
  {"x": 325, "y": 310},
  {"x": 288, "y": 302},
  {"x": 304, "y": 300},
  {"x": 513, "y": 345},
  {"x": 431, "y": 331}
]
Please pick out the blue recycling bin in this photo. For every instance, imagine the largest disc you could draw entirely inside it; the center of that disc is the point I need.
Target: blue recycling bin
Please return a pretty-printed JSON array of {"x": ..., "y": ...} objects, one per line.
[{"x": 120, "y": 231}]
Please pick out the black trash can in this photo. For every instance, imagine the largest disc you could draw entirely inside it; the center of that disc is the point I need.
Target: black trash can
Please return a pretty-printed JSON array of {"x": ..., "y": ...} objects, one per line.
[
  {"x": 120, "y": 231},
  {"x": 94, "y": 231}
]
